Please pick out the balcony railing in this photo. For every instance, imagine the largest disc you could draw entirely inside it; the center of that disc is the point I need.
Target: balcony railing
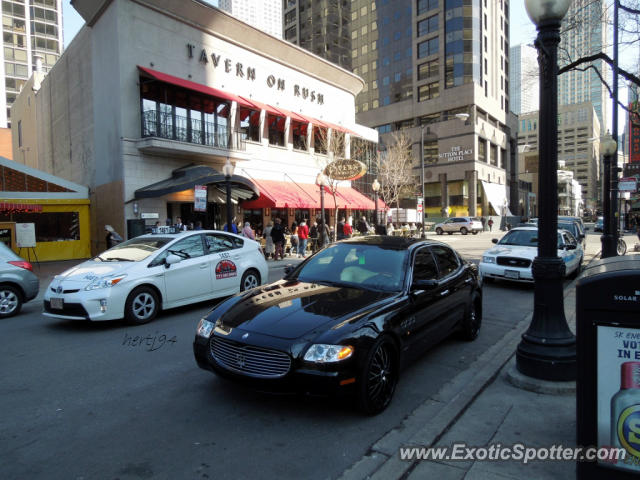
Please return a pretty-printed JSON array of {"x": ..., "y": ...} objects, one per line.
[{"x": 189, "y": 130}]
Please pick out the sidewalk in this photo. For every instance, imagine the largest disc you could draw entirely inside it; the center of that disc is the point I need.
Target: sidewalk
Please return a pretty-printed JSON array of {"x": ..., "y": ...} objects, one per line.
[{"x": 480, "y": 407}]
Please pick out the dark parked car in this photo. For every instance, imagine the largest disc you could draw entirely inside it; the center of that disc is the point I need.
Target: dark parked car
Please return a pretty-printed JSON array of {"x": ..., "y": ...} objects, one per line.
[
  {"x": 599, "y": 226},
  {"x": 18, "y": 284},
  {"x": 345, "y": 320}
]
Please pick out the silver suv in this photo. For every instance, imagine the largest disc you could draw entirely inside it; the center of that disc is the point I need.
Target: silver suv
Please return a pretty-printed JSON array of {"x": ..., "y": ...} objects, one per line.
[
  {"x": 463, "y": 225},
  {"x": 18, "y": 284}
]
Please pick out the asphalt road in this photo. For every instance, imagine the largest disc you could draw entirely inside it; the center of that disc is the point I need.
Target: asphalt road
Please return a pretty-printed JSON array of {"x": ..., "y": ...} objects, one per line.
[{"x": 80, "y": 401}]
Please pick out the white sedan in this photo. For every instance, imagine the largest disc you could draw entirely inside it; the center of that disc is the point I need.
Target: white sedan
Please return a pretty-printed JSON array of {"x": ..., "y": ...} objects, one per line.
[
  {"x": 513, "y": 255},
  {"x": 137, "y": 278}
]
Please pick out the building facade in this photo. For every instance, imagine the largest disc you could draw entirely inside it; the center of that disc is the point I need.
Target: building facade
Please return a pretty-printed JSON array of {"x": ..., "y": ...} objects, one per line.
[
  {"x": 143, "y": 127},
  {"x": 32, "y": 34},
  {"x": 578, "y": 148},
  {"x": 524, "y": 85},
  {"x": 265, "y": 15},
  {"x": 584, "y": 33},
  {"x": 320, "y": 26}
]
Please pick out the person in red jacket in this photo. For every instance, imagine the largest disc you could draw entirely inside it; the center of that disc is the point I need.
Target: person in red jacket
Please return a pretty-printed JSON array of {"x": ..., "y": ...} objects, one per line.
[
  {"x": 347, "y": 230},
  {"x": 303, "y": 237}
]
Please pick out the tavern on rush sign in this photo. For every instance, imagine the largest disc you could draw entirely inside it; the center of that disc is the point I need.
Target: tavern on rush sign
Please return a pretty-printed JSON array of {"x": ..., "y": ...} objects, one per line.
[
  {"x": 346, "y": 169},
  {"x": 241, "y": 71}
]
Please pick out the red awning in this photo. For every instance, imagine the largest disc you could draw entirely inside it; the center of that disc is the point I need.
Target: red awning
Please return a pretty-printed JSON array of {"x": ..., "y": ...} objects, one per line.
[
  {"x": 350, "y": 198},
  {"x": 20, "y": 207},
  {"x": 197, "y": 87},
  {"x": 263, "y": 106},
  {"x": 275, "y": 194}
]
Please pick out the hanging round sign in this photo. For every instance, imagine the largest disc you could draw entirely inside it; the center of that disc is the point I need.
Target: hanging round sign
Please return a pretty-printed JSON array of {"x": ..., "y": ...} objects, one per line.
[{"x": 346, "y": 169}]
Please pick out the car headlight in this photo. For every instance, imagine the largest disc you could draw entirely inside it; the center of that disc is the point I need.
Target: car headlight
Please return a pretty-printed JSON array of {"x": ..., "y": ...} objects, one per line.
[
  {"x": 104, "y": 282},
  {"x": 321, "y": 353},
  {"x": 205, "y": 327},
  {"x": 486, "y": 259}
]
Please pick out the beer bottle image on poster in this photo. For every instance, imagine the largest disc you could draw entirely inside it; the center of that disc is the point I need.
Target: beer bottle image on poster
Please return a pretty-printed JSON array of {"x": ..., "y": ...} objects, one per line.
[{"x": 619, "y": 394}]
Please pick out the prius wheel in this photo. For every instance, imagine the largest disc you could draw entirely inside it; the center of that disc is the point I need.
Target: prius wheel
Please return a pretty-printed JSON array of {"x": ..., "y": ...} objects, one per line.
[
  {"x": 250, "y": 279},
  {"x": 439, "y": 231},
  {"x": 141, "y": 306},
  {"x": 472, "y": 320},
  {"x": 10, "y": 301},
  {"x": 379, "y": 377}
]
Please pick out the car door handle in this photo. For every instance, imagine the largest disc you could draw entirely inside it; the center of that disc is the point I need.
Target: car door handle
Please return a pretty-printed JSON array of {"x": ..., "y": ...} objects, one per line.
[
  {"x": 443, "y": 293},
  {"x": 204, "y": 265},
  {"x": 467, "y": 281}
]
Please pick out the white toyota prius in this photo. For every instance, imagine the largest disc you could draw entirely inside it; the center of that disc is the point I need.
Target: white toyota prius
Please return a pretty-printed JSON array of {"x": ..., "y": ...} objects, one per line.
[
  {"x": 137, "y": 278},
  {"x": 512, "y": 257}
]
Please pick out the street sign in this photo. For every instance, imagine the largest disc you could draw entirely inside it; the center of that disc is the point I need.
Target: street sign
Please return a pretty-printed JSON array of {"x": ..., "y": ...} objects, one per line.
[{"x": 628, "y": 184}]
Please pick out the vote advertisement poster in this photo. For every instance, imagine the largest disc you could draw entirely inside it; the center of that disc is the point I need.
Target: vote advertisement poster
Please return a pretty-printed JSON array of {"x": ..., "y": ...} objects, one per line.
[
  {"x": 619, "y": 393},
  {"x": 200, "y": 198}
]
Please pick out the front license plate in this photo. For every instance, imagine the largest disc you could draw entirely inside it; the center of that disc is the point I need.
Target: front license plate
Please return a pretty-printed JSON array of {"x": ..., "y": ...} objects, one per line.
[
  {"x": 511, "y": 274},
  {"x": 57, "y": 303}
]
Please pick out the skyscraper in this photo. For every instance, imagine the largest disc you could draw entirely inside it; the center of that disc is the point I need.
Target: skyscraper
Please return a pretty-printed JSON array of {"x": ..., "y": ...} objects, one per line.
[
  {"x": 265, "y": 15},
  {"x": 32, "y": 35},
  {"x": 584, "y": 33},
  {"x": 320, "y": 26},
  {"x": 437, "y": 69},
  {"x": 524, "y": 86}
]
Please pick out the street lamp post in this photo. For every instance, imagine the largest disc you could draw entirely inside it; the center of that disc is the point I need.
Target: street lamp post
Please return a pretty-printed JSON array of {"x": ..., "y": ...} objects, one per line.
[
  {"x": 609, "y": 148},
  {"x": 321, "y": 181},
  {"x": 423, "y": 234},
  {"x": 227, "y": 170},
  {"x": 548, "y": 348},
  {"x": 375, "y": 186}
]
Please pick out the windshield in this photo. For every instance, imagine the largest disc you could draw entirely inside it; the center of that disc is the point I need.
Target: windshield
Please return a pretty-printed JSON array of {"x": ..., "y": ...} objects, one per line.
[
  {"x": 572, "y": 227},
  {"x": 363, "y": 266},
  {"x": 134, "y": 250},
  {"x": 525, "y": 238}
]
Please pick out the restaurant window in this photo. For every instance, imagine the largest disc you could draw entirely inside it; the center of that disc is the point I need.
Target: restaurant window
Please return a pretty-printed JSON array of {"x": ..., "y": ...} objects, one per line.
[
  {"x": 276, "y": 130},
  {"x": 49, "y": 226},
  {"x": 299, "y": 131},
  {"x": 320, "y": 140},
  {"x": 250, "y": 124}
]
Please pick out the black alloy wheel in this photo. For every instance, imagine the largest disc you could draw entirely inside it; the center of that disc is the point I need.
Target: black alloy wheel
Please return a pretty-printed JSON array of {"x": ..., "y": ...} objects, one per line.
[
  {"x": 379, "y": 377},
  {"x": 464, "y": 230},
  {"x": 475, "y": 232},
  {"x": 472, "y": 320},
  {"x": 250, "y": 279},
  {"x": 142, "y": 306}
]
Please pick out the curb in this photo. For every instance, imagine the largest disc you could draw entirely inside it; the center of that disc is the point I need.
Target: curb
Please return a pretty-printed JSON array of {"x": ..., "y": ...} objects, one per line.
[{"x": 428, "y": 423}]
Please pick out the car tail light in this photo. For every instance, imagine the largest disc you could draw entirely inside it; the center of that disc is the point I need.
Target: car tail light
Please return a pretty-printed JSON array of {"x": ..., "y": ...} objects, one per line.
[{"x": 22, "y": 264}]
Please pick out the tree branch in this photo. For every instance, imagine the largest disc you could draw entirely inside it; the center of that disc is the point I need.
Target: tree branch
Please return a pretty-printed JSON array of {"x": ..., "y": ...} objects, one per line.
[{"x": 599, "y": 56}]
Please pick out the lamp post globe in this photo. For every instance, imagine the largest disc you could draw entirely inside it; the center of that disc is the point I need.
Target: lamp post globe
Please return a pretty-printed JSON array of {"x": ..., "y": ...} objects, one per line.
[
  {"x": 547, "y": 350},
  {"x": 608, "y": 145},
  {"x": 228, "y": 170},
  {"x": 375, "y": 186},
  {"x": 609, "y": 148}
]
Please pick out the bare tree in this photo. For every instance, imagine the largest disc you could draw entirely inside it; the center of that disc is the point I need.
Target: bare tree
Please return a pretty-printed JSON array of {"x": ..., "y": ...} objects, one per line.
[
  {"x": 332, "y": 144},
  {"x": 395, "y": 168}
]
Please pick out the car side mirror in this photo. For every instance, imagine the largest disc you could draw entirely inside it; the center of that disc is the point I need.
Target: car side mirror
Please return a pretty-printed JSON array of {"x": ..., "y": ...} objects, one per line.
[
  {"x": 570, "y": 246},
  {"x": 288, "y": 269},
  {"x": 171, "y": 259},
  {"x": 494, "y": 240},
  {"x": 423, "y": 284}
]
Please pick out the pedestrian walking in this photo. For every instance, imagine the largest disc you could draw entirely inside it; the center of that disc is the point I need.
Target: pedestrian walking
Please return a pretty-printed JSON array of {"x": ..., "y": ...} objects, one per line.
[
  {"x": 269, "y": 247},
  {"x": 293, "y": 238},
  {"x": 313, "y": 237},
  {"x": 490, "y": 223},
  {"x": 277, "y": 236},
  {"x": 234, "y": 228},
  {"x": 179, "y": 225},
  {"x": 248, "y": 232},
  {"x": 303, "y": 238},
  {"x": 347, "y": 230},
  {"x": 484, "y": 223},
  {"x": 340, "y": 229},
  {"x": 363, "y": 226}
]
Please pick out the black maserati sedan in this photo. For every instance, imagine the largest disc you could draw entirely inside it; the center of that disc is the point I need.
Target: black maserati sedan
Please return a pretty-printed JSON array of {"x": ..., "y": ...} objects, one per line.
[{"x": 346, "y": 320}]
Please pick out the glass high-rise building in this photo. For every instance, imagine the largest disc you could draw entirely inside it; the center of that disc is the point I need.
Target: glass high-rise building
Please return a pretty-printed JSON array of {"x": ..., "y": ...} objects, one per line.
[
  {"x": 31, "y": 36},
  {"x": 584, "y": 33},
  {"x": 524, "y": 85},
  {"x": 437, "y": 69},
  {"x": 265, "y": 15}
]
